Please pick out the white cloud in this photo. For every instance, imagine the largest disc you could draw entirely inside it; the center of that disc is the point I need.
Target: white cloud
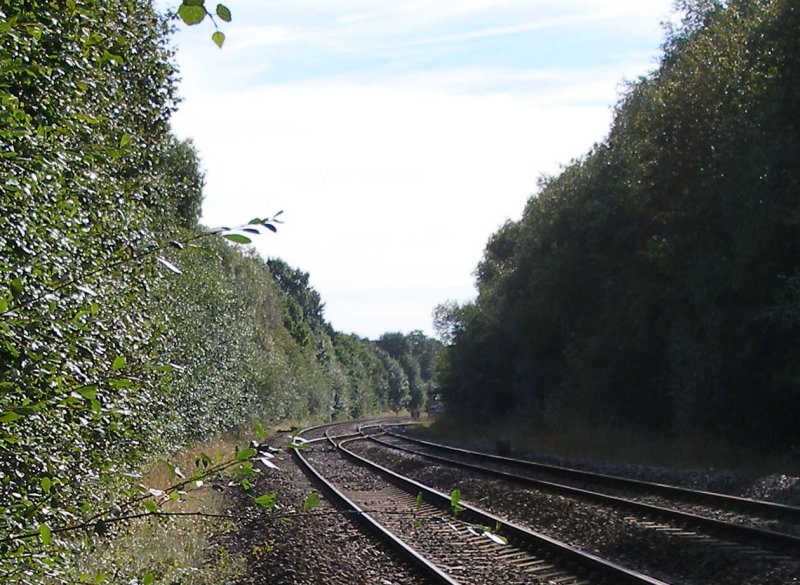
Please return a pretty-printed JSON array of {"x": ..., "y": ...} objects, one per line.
[
  {"x": 392, "y": 179},
  {"x": 382, "y": 187}
]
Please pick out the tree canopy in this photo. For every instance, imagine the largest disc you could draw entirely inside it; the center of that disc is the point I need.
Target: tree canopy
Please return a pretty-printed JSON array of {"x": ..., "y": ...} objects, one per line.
[
  {"x": 127, "y": 329},
  {"x": 653, "y": 284}
]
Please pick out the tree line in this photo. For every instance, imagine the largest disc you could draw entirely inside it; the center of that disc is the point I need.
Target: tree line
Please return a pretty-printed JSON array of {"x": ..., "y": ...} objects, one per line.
[
  {"x": 126, "y": 328},
  {"x": 654, "y": 284}
]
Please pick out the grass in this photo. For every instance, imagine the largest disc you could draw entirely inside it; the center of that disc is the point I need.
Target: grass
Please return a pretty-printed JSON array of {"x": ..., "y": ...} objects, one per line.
[
  {"x": 178, "y": 549},
  {"x": 170, "y": 550},
  {"x": 617, "y": 446}
]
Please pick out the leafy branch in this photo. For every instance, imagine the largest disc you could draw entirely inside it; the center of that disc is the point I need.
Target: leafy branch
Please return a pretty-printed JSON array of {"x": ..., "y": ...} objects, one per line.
[
  {"x": 193, "y": 12},
  {"x": 121, "y": 512},
  {"x": 234, "y": 234}
]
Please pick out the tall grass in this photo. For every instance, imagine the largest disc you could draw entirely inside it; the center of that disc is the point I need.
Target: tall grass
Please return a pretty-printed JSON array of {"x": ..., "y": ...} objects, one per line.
[{"x": 178, "y": 549}]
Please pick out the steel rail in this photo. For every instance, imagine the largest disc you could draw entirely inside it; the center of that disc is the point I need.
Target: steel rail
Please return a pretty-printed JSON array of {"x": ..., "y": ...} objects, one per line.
[
  {"x": 739, "y": 531},
  {"x": 420, "y": 562},
  {"x": 512, "y": 531},
  {"x": 768, "y": 509}
]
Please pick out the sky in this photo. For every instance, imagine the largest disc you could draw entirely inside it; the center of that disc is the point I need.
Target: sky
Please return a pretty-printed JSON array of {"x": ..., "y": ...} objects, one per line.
[{"x": 397, "y": 136}]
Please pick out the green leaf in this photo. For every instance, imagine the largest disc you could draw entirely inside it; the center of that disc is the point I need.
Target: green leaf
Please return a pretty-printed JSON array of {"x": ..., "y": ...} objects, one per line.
[
  {"x": 191, "y": 14},
  {"x": 150, "y": 506},
  {"x": 119, "y": 362},
  {"x": 311, "y": 501},
  {"x": 245, "y": 468},
  {"x": 419, "y": 501},
  {"x": 238, "y": 238},
  {"x": 8, "y": 417},
  {"x": 120, "y": 383},
  {"x": 246, "y": 454},
  {"x": 223, "y": 12},
  {"x": 219, "y": 38},
  {"x": 148, "y": 579},
  {"x": 45, "y": 533},
  {"x": 202, "y": 459},
  {"x": 267, "y": 500},
  {"x": 194, "y": 2},
  {"x": 125, "y": 140},
  {"x": 46, "y": 484},
  {"x": 27, "y": 410},
  {"x": 89, "y": 393},
  {"x": 16, "y": 287},
  {"x": 3, "y": 305}
]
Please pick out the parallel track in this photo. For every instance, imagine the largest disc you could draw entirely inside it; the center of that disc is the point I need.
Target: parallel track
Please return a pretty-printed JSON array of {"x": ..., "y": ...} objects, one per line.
[
  {"x": 456, "y": 548},
  {"x": 748, "y": 534}
]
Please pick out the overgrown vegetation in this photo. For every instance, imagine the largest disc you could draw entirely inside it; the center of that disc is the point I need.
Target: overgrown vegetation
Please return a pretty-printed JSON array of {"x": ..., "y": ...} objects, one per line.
[
  {"x": 126, "y": 329},
  {"x": 654, "y": 285}
]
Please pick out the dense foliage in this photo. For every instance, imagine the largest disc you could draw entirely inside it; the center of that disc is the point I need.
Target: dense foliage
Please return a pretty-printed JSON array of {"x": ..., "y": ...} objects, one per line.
[
  {"x": 655, "y": 283},
  {"x": 126, "y": 330}
]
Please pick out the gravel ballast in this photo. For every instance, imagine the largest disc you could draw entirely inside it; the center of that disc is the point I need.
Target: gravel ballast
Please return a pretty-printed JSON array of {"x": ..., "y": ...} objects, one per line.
[
  {"x": 323, "y": 546},
  {"x": 615, "y": 534}
]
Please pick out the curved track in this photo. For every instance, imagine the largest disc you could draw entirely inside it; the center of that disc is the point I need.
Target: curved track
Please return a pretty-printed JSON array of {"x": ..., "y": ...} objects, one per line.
[
  {"x": 449, "y": 541},
  {"x": 748, "y": 521}
]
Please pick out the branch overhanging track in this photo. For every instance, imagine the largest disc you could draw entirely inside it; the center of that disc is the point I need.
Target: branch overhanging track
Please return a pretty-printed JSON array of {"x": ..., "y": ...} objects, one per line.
[{"x": 457, "y": 548}]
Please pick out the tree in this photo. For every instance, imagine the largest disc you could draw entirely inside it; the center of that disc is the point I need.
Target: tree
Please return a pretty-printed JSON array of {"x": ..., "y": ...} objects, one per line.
[
  {"x": 184, "y": 182},
  {"x": 651, "y": 284}
]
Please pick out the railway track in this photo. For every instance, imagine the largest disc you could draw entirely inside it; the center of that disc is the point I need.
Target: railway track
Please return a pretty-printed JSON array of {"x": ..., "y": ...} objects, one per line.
[
  {"x": 652, "y": 545},
  {"x": 750, "y": 522},
  {"x": 450, "y": 541}
]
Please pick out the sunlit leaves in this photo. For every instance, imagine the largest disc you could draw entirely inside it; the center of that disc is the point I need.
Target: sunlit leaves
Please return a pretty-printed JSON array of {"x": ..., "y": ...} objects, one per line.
[
  {"x": 245, "y": 454},
  {"x": 267, "y": 500},
  {"x": 193, "y": 12},
  {"x": 46, "y": 534},
  {"x": 237, "y": 238}
]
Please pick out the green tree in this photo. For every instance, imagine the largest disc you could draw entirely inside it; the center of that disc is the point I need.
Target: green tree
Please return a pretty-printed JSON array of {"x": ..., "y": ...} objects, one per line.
[{"x": 652, "y": 283}]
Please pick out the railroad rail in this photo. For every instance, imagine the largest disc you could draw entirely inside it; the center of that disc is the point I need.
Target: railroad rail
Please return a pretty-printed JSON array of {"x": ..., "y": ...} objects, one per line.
[
  {"x": 448, "y": 540},
  {"x": 768, "y": 509},
  {"x": 739, "y": 530}
]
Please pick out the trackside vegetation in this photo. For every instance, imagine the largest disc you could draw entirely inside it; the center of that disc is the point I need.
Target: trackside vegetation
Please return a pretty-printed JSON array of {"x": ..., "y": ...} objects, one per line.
[
  {"x": 653, "y": 286},
  {"x": 128, "y": 330}
]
